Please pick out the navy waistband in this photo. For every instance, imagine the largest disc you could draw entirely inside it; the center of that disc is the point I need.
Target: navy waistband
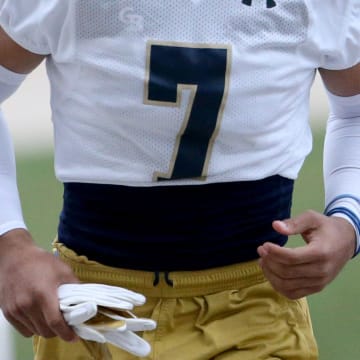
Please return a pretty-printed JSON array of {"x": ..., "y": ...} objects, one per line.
[{"x": 168, "y": 228}]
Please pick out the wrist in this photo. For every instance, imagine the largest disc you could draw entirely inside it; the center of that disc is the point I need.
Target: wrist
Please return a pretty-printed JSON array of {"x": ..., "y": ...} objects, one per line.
[
  {"x": 16, "y": 238},
  {"x": 348, "y": 233},
  {"x": 16, "y": 246},
  {"x": 347, "y": 207}
]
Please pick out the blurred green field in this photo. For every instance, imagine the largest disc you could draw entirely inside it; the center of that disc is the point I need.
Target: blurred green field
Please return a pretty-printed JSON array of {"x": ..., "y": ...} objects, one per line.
[{"x": 335, "y": 312}]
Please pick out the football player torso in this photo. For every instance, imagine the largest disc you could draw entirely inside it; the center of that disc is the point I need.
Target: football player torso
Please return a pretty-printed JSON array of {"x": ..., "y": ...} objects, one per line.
[
  {"x": 153, "y": 92},
  {"x": 181, "y": 92},
  {"x": 160, "y": 93}
]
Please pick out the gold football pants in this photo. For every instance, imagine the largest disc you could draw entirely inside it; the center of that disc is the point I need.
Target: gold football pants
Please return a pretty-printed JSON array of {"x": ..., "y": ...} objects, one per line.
[{"x": 227, "y": 313}]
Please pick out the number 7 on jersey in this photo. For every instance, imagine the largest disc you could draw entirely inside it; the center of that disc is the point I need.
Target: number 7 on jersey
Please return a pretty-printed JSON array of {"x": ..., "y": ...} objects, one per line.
[{"x": 204, "y": 70}]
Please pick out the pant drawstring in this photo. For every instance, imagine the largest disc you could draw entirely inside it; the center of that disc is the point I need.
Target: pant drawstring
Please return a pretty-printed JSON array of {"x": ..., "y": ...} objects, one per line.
[{"x": 166, "y": 277}]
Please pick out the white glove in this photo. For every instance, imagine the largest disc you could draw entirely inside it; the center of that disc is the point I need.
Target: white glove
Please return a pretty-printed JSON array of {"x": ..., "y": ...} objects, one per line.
[
  {"x": 101, "y": 313},
  {"x": 103, "y": 295}
]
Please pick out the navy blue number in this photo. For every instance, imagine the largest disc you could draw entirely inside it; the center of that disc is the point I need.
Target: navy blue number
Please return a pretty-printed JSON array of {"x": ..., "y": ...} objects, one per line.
[
  {"x": 204, "y": 70},
  {"x": 269, "y": 3}
]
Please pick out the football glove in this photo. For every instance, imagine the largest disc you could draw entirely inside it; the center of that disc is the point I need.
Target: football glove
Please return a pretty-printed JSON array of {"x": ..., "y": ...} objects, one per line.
[{"x": 101, "y": 313}]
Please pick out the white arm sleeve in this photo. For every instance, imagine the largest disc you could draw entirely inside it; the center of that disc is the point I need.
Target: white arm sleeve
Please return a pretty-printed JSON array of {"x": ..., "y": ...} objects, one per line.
[
  {"x": 342, "y": 161},
  {"x": 10, "y": 209}
]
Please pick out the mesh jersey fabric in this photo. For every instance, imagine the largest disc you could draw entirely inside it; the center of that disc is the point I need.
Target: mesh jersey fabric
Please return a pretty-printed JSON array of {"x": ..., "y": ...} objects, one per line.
[{"x": 182, "y": 92}]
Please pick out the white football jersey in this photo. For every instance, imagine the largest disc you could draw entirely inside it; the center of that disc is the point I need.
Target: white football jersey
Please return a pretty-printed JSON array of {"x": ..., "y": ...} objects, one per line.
[{"x": 183, "y": 92}]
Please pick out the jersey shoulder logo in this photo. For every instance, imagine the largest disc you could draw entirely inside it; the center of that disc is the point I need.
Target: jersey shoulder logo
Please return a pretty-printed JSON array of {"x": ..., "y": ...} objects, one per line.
[{"x": 269, "y": 3}]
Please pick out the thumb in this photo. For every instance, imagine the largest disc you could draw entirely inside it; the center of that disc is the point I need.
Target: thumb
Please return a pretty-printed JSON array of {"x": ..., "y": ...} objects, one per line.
[
  {"x": 297, "y": 225},
  {"x": 282, "y": 227}
]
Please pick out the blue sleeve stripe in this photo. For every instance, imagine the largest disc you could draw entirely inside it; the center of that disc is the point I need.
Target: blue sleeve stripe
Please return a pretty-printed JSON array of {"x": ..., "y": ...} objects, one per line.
[
  {"x": 340, "y": 197},
  {"x": 351, "y": 216}
]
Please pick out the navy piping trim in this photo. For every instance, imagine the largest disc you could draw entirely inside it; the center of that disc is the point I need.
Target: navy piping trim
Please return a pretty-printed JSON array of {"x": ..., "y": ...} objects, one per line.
[{"x": 339, "y": 197}]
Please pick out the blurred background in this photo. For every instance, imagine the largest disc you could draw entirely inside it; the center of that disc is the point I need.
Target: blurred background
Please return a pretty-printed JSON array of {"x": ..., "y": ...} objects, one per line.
[{"x": 335, "y": 314}]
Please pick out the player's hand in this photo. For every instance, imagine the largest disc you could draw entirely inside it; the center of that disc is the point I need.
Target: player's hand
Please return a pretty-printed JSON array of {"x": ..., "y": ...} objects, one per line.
[
  {"x": 29, "y": 279},
  {"x": 330, "y": 243}
]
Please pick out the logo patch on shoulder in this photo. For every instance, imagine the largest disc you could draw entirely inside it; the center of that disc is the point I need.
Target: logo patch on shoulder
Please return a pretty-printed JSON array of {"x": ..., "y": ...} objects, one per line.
[{"x": 269, "y": 3}]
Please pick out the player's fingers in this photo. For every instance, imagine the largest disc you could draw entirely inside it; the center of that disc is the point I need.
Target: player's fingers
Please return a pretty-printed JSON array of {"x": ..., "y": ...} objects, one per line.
[
  {"x": 291, "y": 288},
  {"x": 56, "y": 322},
  {"x": 30, "y": 308},
  {"x": 296, "y": 271},
  {"x": 39, "y": 315},
  {"x": 59, "y": 327},
  {"x": 41, "y": 325},
  {"x": 31, "y": 318},
  {"x": 19, "y": 326},
  {"x": 307, "y": 221},
  {"x": 19, "y": 312},
  {"x": 290, "y": 256}
]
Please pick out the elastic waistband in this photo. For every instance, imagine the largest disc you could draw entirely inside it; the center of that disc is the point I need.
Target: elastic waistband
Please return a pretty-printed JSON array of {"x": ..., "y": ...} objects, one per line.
[
  {"x": 212, "y": 225},
  {"x": 166, "y": 285}
]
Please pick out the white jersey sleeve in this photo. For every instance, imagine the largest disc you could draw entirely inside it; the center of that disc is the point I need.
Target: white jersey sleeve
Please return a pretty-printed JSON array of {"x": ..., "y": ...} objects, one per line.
[
  {"x": 34, "y": 25},
  {"x": 335, "y": 32}
]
